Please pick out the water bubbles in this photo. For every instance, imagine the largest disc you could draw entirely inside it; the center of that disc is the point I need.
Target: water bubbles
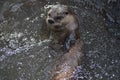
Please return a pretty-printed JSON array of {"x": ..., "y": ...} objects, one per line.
[
  {"x": 106, "y": 74},
  {"x": 16, "y": 35},
  {"x": 19, "y": 63},
  {"x": 32, "y": 39},
  {"x": 112, "y": 76},
  {"x": 32, "y": 56},
  {"x": 34, "y": 19},
  {"x": 97, "y": 75},
  {"x": 42, "y": 15},
  {"x": 92, "y": 66},
  {"x": 2, "y": 57},
  {"x": 47, "y": 6},
  {"x": 13, "y": 44},
  {"x": 27, "y": 18},
  {"x": 49, "y": 56}
]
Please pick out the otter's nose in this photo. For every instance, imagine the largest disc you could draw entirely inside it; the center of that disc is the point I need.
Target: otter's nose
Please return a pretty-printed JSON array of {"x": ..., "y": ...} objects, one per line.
[{"x": 50, "y": 21}]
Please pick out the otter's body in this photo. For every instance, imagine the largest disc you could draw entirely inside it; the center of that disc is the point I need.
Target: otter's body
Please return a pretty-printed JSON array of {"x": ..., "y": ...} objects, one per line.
[{"x": 65, "y": 67}]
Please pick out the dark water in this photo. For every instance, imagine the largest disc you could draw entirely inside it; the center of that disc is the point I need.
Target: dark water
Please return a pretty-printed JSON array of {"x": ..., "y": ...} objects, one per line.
[{"x": 24, "y": 45}]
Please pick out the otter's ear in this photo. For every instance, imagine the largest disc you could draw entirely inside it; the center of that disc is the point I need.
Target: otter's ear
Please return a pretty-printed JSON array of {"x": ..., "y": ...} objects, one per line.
[{"x": 71, "y": 10}]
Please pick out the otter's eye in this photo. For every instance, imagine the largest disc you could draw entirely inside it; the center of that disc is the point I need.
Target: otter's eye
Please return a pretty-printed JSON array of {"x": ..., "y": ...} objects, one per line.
[
  {"x": 49, "y": 14},
  {"x": 66, "y": 13}
]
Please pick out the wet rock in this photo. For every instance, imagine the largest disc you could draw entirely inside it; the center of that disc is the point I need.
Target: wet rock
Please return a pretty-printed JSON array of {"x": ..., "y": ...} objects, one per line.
[{"x": 113, "y": 18}]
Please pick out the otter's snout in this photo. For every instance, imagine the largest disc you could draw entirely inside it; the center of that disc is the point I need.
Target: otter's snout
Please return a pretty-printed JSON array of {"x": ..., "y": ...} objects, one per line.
[{"x": 50, "y": 21}]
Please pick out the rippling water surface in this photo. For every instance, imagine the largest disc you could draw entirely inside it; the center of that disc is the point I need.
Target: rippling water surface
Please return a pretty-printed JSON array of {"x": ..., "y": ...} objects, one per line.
[{"x": 24, "y": 40}]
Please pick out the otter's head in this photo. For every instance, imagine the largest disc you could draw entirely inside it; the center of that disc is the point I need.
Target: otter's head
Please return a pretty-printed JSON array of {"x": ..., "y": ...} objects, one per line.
[{"x": 56, "y": 15}]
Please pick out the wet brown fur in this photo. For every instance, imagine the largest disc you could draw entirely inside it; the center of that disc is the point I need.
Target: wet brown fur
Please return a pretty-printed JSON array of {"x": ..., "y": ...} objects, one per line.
[
  {"x": 62, "y": 29},
  {"x": 65, "y": 67}
]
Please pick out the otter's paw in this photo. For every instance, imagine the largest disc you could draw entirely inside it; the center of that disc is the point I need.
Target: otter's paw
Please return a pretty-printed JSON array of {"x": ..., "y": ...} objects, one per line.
[
  {"x": 69, "y": 41},
  {"x": 68, "y": 44}
]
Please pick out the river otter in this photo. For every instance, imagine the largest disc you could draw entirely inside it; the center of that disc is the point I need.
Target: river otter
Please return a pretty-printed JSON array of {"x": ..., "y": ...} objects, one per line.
[{"x": 63, "y": 24}]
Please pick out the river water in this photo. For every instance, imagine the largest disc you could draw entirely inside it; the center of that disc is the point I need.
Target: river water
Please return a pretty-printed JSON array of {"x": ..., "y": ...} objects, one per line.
[{"x": 24, "y": 39}]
